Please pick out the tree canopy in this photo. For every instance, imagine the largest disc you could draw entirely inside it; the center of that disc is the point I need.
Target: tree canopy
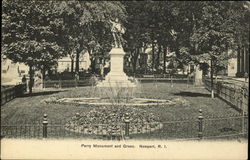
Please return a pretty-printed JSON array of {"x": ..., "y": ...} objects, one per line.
[{"x": 37, "y": 33}]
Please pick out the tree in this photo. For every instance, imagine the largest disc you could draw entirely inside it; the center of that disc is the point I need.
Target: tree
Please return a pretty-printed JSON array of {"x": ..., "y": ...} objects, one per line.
[
  {"x": 101, "y": 45},
  {"x": 88, "y": 24},
  {"x": 161, "y": 29},
  {"x": 137, "y": 36},
  {"x": 215, "y": 34},
  {"x": 239, "y": 23},
  {"x": 28, "y": 34},
  {"x": 151, "y": 24}
]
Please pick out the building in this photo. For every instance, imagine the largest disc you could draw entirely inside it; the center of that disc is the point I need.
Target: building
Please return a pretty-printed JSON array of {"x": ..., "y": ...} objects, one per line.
[
  {"x": 12, "y": 73},
  {"x": 239, "y": 65},
  {"x": 242, "y": 61},
  {"x": 64, "y": 64}
]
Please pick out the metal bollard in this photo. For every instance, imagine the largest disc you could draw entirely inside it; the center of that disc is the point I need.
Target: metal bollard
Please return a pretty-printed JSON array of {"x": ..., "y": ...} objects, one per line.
[
  {"x": 200, "y": 118},
  {"x": 127, "y": 121},
  {"x": 77, "y": 115},
  {"x": 45, "y": 125}
]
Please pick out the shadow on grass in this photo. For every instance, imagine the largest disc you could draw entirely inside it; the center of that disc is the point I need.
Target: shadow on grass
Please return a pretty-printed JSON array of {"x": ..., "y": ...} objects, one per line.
[
  {"x": 40, "y": 93},
  {"x": 192, "y": 94}
]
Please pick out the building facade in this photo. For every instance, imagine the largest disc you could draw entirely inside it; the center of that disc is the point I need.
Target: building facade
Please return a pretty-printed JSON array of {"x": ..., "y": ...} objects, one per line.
[
  {"x": 242, "y": 61},
  {"x": 12, "y": 73},
  {"x": 65, "y": 63}
]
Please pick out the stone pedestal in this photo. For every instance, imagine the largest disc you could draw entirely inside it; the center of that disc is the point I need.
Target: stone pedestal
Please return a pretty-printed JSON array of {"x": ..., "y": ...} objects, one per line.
[
  {"x": 232, "y": 67},
  {"x": 198, "y": 76},
  {"x": 116, "y": 77}
]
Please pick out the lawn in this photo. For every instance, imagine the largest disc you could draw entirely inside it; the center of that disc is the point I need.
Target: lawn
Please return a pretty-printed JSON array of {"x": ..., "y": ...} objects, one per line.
[{"x": 29, "y": 109}]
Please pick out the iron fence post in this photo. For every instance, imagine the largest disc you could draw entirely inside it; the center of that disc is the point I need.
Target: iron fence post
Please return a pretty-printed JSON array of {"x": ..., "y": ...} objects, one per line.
[
  {"x": 45, "y": 125},
  {"x": 243, "y": 110},
  {"x": 60, "y": 83},
  {"x": 200, "y": 121},
  {"x": 77, "y": 115},
  {"x": 171, "y": 79},
  {"x": 6, "y": 96},
  {"x": 43, "y": 83},
  {"x": 23, "y": 89},
  {"x": 246, "y": 76},
  {"x": 75, "y": 83},
  {"x": 127, "y": 121}
]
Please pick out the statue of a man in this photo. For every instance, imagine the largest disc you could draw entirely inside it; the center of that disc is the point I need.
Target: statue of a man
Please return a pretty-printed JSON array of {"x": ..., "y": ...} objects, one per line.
[{"x": 117, "y": 31}]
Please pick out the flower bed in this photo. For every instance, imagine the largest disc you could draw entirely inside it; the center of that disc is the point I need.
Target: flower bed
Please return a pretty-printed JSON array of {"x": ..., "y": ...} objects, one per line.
[{"x": 109, "y": 120}]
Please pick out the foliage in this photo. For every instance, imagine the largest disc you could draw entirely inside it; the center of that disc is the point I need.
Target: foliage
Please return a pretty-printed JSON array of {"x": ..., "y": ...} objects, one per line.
[
  {"x": 41, "y": 32},
  {"x": 216, "y": 33},
  {"x": 86, "y": 25},
  {"x": 28, "y": 34}
]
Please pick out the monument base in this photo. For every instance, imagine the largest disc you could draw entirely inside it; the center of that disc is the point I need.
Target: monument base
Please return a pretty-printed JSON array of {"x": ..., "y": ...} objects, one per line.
[
  {"x": 198, "y": 76},
  {"x": 116, "y": 80},
  {"x": 116, "y": 77}
]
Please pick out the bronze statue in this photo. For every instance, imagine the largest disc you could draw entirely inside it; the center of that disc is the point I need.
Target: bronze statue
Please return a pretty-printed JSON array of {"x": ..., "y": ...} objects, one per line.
[{"x": 117, "y": 31}]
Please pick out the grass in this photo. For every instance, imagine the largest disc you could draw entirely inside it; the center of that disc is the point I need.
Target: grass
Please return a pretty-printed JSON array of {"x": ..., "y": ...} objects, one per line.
[{"x": 29, "y": 109}]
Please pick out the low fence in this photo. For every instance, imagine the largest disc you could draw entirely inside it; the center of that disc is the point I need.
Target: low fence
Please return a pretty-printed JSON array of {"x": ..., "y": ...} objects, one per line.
[
  {"x": 92, "y": 81},
  {"x": 7, "y": 94},
  {"x": 200, "y": 127},
  {"x": 168, "y": 79},
  {"x": 235, "y": 94},
  {"x": 67, "y": 83}
]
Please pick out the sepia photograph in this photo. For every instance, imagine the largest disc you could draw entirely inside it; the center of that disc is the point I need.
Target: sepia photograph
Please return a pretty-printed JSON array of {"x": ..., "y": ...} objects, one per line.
[{"x": 124, "y": 79}]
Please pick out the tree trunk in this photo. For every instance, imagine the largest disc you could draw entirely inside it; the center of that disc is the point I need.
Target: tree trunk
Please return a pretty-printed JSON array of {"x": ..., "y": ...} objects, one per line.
[
  {"x": 49, "y": 72},
  {"x": 101, "y": 66},
  {"x": 158, "y": 58},
  {"x": 77, "y": 62},
  {"x": 43, "y": 70},
  {"x": 31, "y": 81},
  {"x": 212, "y": 79},
  {"x": 153, "y": 57},
  {"x": 72, "y": 64},
  {"x": 92, "y": 65},
  {"x": 135, "y": 57},
  {"x": 164, "y": 59}
]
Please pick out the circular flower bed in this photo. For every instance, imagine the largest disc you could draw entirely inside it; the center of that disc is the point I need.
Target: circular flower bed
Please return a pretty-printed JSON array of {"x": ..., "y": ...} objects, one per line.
[
  {"x": 110, "y": 120},
  {"x": 106, "y": 101}
]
